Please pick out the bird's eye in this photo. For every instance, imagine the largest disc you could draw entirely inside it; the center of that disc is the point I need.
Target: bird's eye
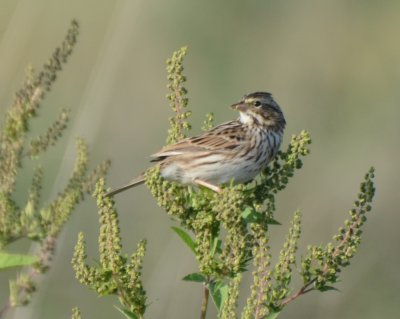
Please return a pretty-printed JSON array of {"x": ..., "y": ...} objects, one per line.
[{"x": 257, "y": 103}]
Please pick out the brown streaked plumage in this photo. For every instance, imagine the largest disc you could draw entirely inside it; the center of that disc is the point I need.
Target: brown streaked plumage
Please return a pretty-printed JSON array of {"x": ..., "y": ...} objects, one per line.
[{"x": 236, "y": 150}]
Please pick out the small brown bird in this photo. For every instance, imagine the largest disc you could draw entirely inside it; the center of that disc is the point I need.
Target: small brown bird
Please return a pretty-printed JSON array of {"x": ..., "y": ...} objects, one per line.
[{"x": 237, "y": 150}]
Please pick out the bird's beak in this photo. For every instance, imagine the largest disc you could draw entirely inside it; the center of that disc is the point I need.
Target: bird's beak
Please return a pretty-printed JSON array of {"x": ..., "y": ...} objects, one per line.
[{"x": 240, "y": 106}]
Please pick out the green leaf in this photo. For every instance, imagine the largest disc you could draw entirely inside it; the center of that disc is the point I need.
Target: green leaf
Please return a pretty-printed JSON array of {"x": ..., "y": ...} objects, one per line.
[
  {"x": 216, "y": 247},
  {"x": 250, "y": 215},
  {"x": 15, "y": 260},
  {"x": 327, "y": 288},
  {"x": 271, "y": 221},
  {"x": 219, "y": 293},
  {"x": 196, "y": 277},
  {"x": 273, "y": 315},
  {"x": 186, "y": 238},
  {"x": 128, "y": 314}
]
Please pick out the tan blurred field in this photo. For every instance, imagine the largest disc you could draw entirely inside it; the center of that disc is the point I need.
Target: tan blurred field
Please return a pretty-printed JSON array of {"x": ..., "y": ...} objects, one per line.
[{"x": 333, "y": 66}]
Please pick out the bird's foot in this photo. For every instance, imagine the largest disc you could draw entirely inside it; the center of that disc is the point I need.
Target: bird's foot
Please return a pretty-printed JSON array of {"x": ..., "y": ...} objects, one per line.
[{"x": 213, "y": 187}]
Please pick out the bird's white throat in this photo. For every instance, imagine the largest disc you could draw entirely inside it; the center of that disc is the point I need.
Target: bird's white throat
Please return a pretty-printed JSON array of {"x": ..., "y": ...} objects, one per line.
[{"x": 245, "y": 118}]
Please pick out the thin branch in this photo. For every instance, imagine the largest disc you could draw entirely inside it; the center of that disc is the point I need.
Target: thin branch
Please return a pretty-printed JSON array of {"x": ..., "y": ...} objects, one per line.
[{"x": 303, "y": 290}]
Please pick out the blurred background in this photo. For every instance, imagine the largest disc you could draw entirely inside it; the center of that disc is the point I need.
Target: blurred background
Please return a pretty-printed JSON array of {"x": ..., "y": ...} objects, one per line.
[{"x": 333, "y": 66}]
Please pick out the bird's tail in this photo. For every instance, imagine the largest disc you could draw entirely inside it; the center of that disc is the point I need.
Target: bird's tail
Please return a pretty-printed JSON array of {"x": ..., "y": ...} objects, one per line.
[{"x": 135, "y": 182}]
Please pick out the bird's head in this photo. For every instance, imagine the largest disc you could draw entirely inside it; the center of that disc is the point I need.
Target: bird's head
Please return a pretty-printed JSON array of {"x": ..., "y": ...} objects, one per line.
[{"x": 260, "y": 109}]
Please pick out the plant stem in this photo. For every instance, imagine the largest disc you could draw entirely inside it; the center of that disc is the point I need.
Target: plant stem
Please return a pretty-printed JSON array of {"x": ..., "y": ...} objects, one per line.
[
  {"x": 303, "y": 290},
  {"x": 204, "y": 305}
]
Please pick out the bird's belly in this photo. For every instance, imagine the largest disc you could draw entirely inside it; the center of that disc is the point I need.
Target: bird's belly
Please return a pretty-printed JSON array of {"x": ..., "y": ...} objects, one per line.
[
  {"x": 215, "y": 169},
  {"x": 240, "y": 171}
]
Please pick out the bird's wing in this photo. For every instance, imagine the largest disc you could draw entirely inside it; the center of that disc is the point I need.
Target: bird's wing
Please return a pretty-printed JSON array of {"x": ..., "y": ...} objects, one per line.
[{"x": 226, "y": 136}]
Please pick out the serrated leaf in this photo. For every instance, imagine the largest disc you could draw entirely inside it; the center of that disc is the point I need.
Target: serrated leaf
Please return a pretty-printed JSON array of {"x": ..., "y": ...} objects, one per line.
[
  {"x": 219, "y": 293},
  {"x": 128, "y": 314},
  {"x": 186, "y": 238},
  {"x": 196, "y": 277},
  {"x": 16, "y": 260}
]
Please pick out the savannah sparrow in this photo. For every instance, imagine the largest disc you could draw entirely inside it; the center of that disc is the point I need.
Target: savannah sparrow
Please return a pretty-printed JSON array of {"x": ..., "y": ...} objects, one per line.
[{"x": 236, "y": 150}]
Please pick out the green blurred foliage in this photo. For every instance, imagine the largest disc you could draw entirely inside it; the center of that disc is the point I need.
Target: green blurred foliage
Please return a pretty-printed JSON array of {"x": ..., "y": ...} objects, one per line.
[
  {"x": 333, "y": 66},
  {"x": 29, "y": 220}
]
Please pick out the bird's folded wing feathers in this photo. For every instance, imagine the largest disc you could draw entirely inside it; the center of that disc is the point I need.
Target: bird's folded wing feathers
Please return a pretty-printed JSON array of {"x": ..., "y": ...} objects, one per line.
[{"x": 219, "y": 138}]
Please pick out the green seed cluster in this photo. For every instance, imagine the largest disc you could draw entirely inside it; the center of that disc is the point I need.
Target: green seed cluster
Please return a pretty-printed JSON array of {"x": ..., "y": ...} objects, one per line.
[
  {"x": 260, "y": 290},
  {"x": 228, "y": 310},
  {"x": 208, "y": 122},
  {"x": 115, "y": 273},
  {"x": 177, "y": 97},
  {"x": 25, "y": 106},
  {"x": 76, "y": 313},
  {"x": 169, "y": 195},
  {"x": 18, "y": 296},
  {"x": 277, "y": 175},
  {"x": 228, "y": 207},
  {"x": 282, "y": 273},
  {"x": 323, "y": 264},
  {"x": 50, "y": 138}
]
